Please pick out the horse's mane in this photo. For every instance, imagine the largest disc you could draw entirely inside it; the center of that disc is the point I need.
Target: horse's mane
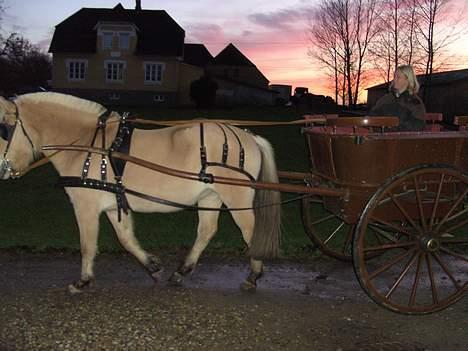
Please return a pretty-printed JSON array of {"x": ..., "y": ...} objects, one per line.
[{"x": 64, "y": 100}]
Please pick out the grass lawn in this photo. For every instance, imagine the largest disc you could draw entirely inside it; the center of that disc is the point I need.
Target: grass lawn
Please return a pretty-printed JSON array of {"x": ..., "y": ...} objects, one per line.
[{"x": 36, "y": 215}]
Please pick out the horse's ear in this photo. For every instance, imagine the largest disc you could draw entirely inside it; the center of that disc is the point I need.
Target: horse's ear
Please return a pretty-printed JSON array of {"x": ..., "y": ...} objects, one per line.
[{"x": 6, "y": 107}]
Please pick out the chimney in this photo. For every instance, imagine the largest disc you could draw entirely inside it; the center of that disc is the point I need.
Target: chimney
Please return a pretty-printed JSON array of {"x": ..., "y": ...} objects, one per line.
[{"x": 138, "y": 5}]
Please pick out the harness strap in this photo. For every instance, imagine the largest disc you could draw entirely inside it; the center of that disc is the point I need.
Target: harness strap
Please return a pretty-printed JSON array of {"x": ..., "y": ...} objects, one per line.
[
  {"x": 121, "y": 143},
  {"x": 76, "y": 182},
  {"x": 208, "y": 177},
  {"x": 241, "y": 148}
]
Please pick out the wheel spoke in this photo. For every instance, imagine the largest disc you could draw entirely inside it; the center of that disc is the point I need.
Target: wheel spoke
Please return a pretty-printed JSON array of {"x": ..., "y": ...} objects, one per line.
[
  {"x": 403, "y": 211},
  {"x": 446, "y": 270},
  {"x": 454, "y": 254},
  {"x": 390, "y": 264},
  {"x": 454, "y": 241},
  {"x": 435, "y": 295},
  {"x": 402, "y": 275},
  {"x": 347, "y": 241},
  {"x": 397, "y": 245},
  {"x": 333, "y": 233},
  {"x": 456, "y": 226},
  {"x": 436, "y": 202},
  {"x": 416, "y": 280},
  {"x": 420, "y": 206},
  {"x": 397, "y": 227},
  {"x": 455, "y": 205},
  {"x": 323, "y": 219},
  {"x": 383, "y": 234}
]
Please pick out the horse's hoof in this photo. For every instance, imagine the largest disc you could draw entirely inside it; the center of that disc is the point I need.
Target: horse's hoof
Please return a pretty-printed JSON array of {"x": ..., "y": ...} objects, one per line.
[
  {"x": 176, "y": 279},
  {"x": 248, "y": 286},
  {"x": 73, "y": 290},
  {"x": 157, "y": 275}
]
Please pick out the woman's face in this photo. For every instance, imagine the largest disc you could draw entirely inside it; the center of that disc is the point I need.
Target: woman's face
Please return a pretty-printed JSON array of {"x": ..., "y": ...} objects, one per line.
[{"x": 400, "y": 81}]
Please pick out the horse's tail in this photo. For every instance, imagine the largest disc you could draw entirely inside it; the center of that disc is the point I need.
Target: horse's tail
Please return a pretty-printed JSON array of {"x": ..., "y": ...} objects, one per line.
[{"x": 266, "y": 238}]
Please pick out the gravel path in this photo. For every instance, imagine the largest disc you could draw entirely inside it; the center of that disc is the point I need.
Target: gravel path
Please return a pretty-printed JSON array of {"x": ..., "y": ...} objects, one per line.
[{"x": 299, "y": 306}]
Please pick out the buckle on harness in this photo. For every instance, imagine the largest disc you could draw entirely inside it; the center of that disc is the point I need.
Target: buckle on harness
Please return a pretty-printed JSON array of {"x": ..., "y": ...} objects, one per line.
[{"x": 206, "y": 178}]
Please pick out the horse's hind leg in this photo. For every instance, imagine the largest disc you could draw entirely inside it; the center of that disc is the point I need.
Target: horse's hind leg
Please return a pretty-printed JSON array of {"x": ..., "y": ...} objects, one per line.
[
  {"x": 246, "y": 222},
  {"x": 207, "y": 227},
  {"x": 126, "y": 236}
]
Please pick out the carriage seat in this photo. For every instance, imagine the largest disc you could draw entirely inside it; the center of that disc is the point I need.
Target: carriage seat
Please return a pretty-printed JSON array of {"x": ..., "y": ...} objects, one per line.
[
  {"x": 461, "y": 122},
  {"x": 433, "y": 120}
]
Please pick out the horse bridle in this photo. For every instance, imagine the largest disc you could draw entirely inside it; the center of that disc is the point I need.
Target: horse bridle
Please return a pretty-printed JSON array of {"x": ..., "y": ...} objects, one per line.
[{"x": 7, "y": 133}]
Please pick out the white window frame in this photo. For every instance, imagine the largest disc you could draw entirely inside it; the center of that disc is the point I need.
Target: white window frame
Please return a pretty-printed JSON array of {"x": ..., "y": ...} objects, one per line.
[
  {"x": 120, "y": 77},
  {"x": 155, "y": 77},
  {"x": 71, "y": 71},
  {"x": 128, "y": 35},
  {"x": 106, "y": 45}
]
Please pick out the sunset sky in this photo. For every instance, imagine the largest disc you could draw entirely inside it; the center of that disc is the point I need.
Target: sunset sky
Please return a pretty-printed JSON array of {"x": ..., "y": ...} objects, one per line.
[{"x": 272, "y": 34}]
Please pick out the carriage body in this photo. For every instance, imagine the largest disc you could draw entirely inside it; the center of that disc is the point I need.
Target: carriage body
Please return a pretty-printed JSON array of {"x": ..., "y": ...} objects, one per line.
[{"x": 361, "y": 160}]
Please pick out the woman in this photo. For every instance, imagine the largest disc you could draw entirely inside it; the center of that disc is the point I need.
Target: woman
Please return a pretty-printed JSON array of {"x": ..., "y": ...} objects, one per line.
[{"x": 403, "y": 101}]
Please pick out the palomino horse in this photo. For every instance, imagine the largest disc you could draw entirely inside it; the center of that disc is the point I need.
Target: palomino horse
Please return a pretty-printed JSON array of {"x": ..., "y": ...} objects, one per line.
[{"x": 34, "y": 120}]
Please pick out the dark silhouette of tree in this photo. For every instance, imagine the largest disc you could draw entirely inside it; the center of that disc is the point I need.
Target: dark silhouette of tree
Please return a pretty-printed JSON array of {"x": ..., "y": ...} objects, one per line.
[
  {"x": 23, "y": 67},
  {"x": 203, "y": 91}
]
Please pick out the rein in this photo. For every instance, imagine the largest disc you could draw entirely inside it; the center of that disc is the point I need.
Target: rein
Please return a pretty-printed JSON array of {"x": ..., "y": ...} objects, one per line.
[{"x": 232, "y": 122}]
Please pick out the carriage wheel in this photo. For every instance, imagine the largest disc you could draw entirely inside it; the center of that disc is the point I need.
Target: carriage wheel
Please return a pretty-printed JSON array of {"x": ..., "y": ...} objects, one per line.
[
  {"x": 326, "y": 230},
  {"x": 420, "y": 218}
]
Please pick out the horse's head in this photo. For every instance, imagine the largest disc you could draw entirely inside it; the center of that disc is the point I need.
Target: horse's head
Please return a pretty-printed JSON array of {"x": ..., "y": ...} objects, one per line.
[{"x": 16, "y": 149}]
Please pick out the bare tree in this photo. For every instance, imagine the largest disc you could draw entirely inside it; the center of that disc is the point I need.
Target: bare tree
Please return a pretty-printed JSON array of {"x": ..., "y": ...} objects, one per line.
[
  {"x": 437, "y": 28},
  {"x": 340, "y": 38},
  {"x": 395, "y": 43}
]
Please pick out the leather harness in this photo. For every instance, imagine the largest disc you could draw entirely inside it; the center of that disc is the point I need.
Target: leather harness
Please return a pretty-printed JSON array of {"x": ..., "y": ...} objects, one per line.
[{"x": 121, "y": 144}]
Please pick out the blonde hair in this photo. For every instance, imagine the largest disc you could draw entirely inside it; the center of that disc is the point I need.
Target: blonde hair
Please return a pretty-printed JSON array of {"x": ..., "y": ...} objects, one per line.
[{"x": 413, "y": 84}]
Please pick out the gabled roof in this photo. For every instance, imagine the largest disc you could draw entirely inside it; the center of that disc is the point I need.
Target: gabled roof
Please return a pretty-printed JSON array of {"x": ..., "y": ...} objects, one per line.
[
  {"x": 197, "y": 55},
  {"x": 158, "y": 33},
  {"x": 437, "y": 78},
  {"x": 231, "y": 56}
]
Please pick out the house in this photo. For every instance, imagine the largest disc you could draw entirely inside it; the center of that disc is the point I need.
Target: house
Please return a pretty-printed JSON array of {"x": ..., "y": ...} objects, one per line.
[
  {"x": 239, "y": 80},
  {"x": 121, "y": 56},
  {"x": 139, "y": 57},
  {"x": 445, "y": 92}
]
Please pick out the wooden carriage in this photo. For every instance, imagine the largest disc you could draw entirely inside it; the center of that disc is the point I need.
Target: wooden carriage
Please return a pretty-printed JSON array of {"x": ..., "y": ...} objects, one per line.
[{"x": 400, "y": 211}]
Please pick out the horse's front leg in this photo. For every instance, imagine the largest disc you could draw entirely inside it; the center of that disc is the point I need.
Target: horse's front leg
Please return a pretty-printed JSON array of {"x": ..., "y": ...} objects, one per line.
[
  {"x": 87, "y": 218},
  {"x": 125, "y": 233}
]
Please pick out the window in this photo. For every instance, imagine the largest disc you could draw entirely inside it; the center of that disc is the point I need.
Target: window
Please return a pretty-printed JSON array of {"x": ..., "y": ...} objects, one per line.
[
  {"x": 159, "y": 98},
  {"x": 114, "y": 71},
  {"x": 124, "y": 40},
  {"x": 107, "y": 38},
  {"x": 153, "y": 72},
  {"x": 76, "y": 69}
]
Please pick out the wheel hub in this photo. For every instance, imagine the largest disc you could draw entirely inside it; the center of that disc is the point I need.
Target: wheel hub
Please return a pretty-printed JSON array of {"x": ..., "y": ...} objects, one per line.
[{"x": 430, "y": 244}]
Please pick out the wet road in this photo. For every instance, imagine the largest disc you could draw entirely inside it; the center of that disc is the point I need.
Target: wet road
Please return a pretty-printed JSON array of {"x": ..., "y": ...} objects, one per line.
[{"x": 313, "y": 305}]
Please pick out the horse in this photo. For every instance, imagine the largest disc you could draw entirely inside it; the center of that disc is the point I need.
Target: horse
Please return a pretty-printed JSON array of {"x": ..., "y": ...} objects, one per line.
[{"x": 34, "y": 120}]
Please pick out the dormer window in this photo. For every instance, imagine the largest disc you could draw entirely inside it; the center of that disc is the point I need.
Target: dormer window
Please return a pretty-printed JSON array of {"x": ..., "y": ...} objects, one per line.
[
  {"x": 124, "y": 40},
  {"x": 107, "y": 38},
  {"x": 116, "y": 35}
]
